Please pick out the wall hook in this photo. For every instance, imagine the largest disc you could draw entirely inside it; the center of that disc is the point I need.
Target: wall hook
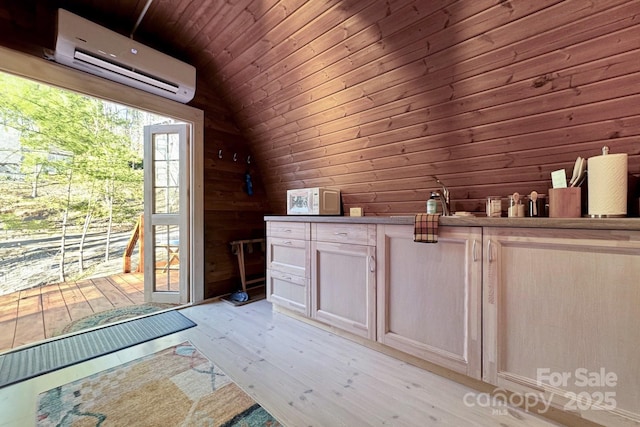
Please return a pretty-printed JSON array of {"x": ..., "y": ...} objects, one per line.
[
  {"x": 220, "y": 153},
  {"x": 235, "y": 157},
  {"x": 248, "y": 159}
]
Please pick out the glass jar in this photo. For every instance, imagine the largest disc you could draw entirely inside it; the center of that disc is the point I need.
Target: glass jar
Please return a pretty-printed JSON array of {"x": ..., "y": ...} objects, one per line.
[
  {"x": 516, "y": 206},
  {"x": 494, "y": 206},
  {"x": 537, "y": 207},
  {"x": 432, "y": 203}
]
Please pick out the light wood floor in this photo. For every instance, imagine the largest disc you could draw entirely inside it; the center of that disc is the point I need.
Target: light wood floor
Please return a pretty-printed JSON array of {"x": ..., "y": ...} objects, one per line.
[
  {"x": 303, "y": 375},
  {"x": 39, "y": 313}
]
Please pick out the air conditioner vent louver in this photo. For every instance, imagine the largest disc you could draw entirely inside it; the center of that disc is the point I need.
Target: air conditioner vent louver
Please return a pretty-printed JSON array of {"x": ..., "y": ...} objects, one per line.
[
  {"x": 127, "y": 72},
  {"x": 94, "y": 49}
]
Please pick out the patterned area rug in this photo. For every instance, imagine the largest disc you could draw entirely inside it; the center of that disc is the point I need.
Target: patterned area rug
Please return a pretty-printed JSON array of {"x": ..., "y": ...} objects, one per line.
[
  {"x": 113, "y": 315},
  {"x": 175, "y": 387}
]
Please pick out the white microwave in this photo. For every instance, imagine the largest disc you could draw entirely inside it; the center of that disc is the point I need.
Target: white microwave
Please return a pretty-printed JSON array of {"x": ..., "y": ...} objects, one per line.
[{"x": 313, "y": 201}]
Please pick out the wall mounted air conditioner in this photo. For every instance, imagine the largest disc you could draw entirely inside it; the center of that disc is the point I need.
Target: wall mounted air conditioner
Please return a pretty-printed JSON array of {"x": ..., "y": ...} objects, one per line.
[{"x": 87, "y": 46}]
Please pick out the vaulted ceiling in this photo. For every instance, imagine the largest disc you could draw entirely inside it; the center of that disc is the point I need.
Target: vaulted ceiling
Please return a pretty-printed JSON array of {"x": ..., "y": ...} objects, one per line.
[{"x": 377, "y": 96}]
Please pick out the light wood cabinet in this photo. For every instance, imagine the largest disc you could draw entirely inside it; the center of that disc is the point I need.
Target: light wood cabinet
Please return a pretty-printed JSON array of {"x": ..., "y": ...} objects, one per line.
[
  {"x": 343, "y": 277},
  {"x": 549, "y": 313},
  {"x": 429, "y": 295},
  {"x": 288, "y": 265},
  {"x": 561, "y": 311}
]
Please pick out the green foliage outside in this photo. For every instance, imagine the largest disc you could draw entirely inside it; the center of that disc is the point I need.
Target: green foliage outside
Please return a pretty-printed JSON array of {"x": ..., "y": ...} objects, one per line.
[{"x": 77, "y": 159}]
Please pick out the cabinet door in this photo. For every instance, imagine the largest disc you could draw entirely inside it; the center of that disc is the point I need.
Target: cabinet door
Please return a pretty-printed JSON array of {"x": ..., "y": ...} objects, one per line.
[
  {"x": 288, "y": 256},
  {"x": 561, "y": 311},
  {"x": 288, "y": 291},
  {"x": 429, "y": 295},
  {"x": 343, "y": 286}
]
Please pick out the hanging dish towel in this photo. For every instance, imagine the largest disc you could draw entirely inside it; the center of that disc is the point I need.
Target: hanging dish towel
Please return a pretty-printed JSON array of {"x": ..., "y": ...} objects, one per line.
[{"x": 426, "y": 228}]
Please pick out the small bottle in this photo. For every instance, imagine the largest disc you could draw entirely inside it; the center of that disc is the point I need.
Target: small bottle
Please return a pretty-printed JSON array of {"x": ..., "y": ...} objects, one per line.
[{"x": 432, "y": 203}]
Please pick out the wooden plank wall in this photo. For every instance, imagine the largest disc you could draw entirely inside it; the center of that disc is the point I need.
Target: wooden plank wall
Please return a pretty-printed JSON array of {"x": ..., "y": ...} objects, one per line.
[
  {"x": 230, "y": 213},
  {"x": 374, "y": 97}
]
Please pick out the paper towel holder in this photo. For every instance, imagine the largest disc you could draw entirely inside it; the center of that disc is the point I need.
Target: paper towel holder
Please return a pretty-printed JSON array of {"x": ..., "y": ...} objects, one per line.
[{"x": 605, "y": 151}]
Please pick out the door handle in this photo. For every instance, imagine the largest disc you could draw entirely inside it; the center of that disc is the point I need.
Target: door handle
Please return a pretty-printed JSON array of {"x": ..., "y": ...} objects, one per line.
[
  {"x": 473, "y": 249},
  {"x": 491, "y": 283},
  {"x": 372, "y": 264}
]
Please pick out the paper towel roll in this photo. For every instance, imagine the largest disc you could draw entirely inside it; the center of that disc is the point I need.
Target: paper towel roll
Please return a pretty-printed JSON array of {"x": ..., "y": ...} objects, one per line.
[{"x": 607, "y": 177}]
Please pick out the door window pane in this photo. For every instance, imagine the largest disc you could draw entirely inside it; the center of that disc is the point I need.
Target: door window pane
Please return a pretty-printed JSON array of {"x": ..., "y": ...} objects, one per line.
[
  {"x": 167, "y": 258},
  {"x": 160, "y": 173},
  {"x": 173, "y": 148},
  {"x": 160, "y": 146},
  {"x": 166, "y": 173}
]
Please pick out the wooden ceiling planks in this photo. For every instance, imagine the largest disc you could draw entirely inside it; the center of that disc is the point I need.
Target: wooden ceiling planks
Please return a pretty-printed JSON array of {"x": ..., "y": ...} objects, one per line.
[
  {"x": 165, "y": 19},
  {"x": 255, "y": 85},
  {"x": 374, "y": 96},
  {"x": 358, "y": 62},
  {"x": 514, "y": 103},
  {"x": 294, "y": 125}
]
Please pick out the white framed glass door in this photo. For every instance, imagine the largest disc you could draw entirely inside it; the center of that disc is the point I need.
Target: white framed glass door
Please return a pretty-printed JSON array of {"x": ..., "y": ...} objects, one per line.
[{"x": 166, "y": 213}]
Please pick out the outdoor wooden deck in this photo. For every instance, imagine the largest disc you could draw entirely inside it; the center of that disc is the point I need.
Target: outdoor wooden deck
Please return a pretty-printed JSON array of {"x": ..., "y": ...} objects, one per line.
[{"x": 35, "y": 314}]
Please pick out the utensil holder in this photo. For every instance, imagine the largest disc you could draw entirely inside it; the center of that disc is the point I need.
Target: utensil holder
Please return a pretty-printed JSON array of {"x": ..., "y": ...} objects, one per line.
[{"x": 565, "y": 202}]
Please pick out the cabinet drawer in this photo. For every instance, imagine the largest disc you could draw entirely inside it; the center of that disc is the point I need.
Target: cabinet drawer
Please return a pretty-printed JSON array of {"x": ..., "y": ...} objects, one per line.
[
  {"x": 288, "y": 230},
  {"x": 288, "y": 290},
  {"x": 356, "y": 234},
  {"x": 289, "y": 256}
]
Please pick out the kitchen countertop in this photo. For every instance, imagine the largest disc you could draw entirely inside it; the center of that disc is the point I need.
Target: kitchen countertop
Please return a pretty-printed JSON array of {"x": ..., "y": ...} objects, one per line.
[{"x": 479, "y": 221}]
